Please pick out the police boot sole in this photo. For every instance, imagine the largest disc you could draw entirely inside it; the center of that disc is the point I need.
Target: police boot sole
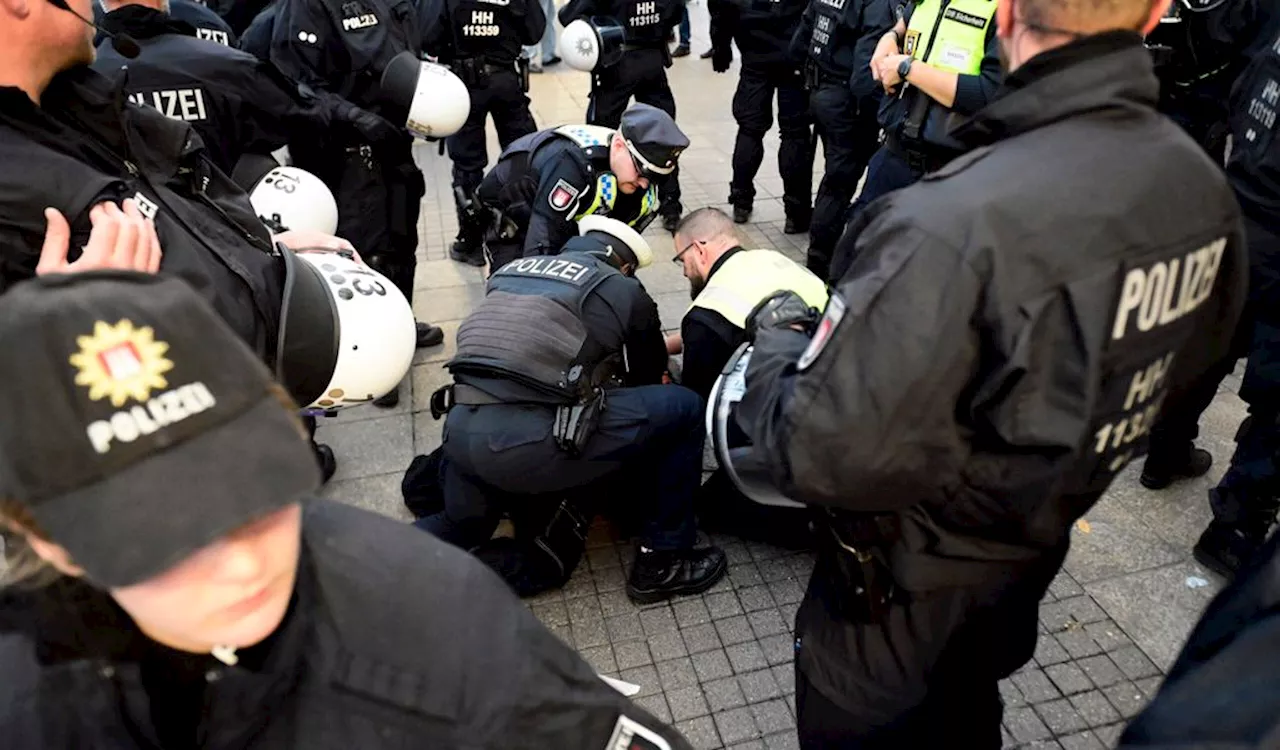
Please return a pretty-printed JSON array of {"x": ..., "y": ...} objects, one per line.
[{"x": 654, "y": 595}]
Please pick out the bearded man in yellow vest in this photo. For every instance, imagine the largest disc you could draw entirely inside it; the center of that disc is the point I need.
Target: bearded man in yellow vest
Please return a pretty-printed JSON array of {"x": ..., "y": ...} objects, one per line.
[
  {"x": 726, "y": 282},
  {"x": 938, "y": 65}
]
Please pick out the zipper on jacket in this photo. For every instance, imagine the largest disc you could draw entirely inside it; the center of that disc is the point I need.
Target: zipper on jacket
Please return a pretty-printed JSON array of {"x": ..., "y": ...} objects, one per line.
[{"x": 937, "y": 24}]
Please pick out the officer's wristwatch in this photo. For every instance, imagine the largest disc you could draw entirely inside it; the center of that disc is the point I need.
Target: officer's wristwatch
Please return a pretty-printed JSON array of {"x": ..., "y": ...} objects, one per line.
[{"x": 904, "y": 68}]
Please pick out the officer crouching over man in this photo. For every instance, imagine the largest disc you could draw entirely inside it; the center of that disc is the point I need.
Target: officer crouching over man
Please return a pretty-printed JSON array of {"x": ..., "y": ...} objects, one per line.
[
  {"x": 558, "y": 397},
  {"x": 546, "y": 181},
  {"x": 983, "y": 371}
]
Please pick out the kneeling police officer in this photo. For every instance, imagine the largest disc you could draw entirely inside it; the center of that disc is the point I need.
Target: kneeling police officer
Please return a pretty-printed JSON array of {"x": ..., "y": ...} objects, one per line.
[
  {"x": 557, "y": 389},
  {"x": 546, "y": 181}
]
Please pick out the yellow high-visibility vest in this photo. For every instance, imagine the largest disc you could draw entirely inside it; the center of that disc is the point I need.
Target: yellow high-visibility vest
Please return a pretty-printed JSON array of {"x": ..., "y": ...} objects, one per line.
[{"x": 748, "y": 276}]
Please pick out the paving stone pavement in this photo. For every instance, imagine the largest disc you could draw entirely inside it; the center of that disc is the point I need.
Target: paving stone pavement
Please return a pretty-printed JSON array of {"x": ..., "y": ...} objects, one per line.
[{"x": 719, "y": 665}]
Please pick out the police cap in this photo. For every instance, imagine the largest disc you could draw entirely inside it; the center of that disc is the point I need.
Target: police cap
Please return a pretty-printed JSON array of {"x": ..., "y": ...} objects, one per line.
[{"x": 653, "y": 138}]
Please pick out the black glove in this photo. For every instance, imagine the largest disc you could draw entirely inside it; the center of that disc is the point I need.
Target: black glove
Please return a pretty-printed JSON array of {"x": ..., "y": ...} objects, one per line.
[
  {"x": 375, "y": 130},
  {"x": 721, "y": 58},
  {"x": 782, "y": 309}
]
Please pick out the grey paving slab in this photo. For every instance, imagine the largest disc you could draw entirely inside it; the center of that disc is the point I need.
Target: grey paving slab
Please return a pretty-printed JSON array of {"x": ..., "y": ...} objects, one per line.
[
  {"x": 380, "y": 494},
  {"x": 1117, "y": 542},
  {"x": 1157, "y": 608},
  {"x": 369, "y": 447}
]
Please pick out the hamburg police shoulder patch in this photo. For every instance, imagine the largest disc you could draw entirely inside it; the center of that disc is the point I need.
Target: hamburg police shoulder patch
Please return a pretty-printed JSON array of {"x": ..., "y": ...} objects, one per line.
[
  {"x": 562, "y": 195},
  {"x": 836, "y": 308}
]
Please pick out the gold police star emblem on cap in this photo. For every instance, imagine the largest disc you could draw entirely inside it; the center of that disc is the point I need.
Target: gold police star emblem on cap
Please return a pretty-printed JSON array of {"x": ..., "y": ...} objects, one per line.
[{"x": 121, "y": 362}]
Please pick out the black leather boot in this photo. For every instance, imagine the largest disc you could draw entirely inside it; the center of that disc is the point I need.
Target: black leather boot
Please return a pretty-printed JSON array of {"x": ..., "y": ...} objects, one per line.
[
  {"x": 662, "y": 574},
  {"x": 1159, "y": 472}
]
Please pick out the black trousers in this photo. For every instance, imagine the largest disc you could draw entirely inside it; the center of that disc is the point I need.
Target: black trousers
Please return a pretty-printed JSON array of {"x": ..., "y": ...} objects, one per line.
[
  {"x": 379, "y": 194},
  {"x": 753, "y": 110},
  {"x": 1249, "y": 492},
  {"x": 641, "y": 74},
  {"x": 849, "y": 138},
  {"x": 503, "y": 98}
]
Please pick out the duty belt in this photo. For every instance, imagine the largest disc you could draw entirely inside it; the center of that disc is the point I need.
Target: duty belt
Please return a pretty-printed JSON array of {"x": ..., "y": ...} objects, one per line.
[
  {"x": 922, "y": 158},
  {"x": 459, "y": 394}
]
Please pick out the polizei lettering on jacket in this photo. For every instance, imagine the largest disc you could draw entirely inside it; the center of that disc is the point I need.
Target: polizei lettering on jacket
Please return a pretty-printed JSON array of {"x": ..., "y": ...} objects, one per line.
[
  {"x": 1160, "y": 293},
  {"x": 214, "y": 35},
  {"x": 549, "y": 268},
  {"x": 177, "y": 104},
  {"x": 166, "y": 409}
]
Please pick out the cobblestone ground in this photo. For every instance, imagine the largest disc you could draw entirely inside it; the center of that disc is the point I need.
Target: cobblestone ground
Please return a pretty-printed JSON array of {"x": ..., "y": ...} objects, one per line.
[{"x": 719, "y": 665}]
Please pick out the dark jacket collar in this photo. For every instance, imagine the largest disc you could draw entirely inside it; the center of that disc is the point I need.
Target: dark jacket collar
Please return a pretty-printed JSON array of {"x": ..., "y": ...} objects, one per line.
[
  {"x": 1104, "y": 71},
  {"x": 141, "y": 22}
]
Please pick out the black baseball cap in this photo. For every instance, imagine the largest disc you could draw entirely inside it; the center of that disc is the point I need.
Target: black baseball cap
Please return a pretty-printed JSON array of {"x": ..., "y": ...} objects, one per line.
[{"x": 137, "y": 426}]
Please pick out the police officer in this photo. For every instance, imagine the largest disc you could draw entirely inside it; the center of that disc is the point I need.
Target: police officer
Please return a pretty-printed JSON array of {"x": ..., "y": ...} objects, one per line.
[
  {"x": 1226, "y": 36},
  {"x": 482, "y": 42},
  {"x": 1246, "y": 500},
  {"x": 950, "y": 445},
  {"x": 546, "y": 181},
  {"x": 726, "y": 282},
  {"x": 557, "y": 389},
  {"x": 206, "y": 24},
  {"x": 641, "y": 73},
  {"x": 940, "y": 58},
  {"x": 1201, "y": 46},
  {"x": 256, "y": 39},
  {"x": 238, "y": 611},
  {"x": 763, "y": 32},
  {"x": 236, "y": 103},
  {"x": 71, "y": 147},
  {"x": 343, "y": 47},
  {"x": 835, "y": 41}
]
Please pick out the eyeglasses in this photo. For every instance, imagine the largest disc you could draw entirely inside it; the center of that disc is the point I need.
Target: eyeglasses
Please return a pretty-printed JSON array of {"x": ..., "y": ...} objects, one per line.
[{"x": 677, "y": 260}]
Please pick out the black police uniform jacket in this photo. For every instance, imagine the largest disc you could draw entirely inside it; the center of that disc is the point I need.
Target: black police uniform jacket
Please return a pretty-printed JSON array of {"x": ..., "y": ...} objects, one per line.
[
  {"x": 646, "y": 23},
  {"x": 999, "y": 349},
  {"x": 204, "y": 22},
  {"x": 343, "y": 46},
  {"x": 393, "y": 640},
  {"x": 762, "y": 30},
  {"x": 550, "y": 327},
  {"x": 838, "y": 37},
  {"x": 1254, "y": 163},
  {"x": 456, "y": 30},
  {"x": 237, "y": 103},
  {"x": 544, "y": 182},
  {"x": 86, "y": 144}
]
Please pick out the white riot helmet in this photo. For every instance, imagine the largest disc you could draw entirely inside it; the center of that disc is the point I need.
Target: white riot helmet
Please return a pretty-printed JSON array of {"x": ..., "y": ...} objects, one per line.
[
  {"x": 347, "y": 334},
  {"x": 589, "y": 45},
  {"x": 733, "y": 448},
  {"x": 434, "y": 101},
  {"x": 290, "y": 198},
  {"x": 618, "y": 238}
]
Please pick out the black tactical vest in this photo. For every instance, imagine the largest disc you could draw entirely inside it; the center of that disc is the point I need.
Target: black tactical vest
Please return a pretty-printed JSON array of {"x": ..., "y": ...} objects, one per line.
[{"x": 529, "y": 327}]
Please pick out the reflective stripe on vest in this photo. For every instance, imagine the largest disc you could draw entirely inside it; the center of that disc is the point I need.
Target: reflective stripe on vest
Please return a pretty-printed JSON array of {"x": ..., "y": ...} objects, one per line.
[
  {"x": 606, "y": 192},
  {"x": 749, "y": 276},
  {"x": 950, "y": 35}
]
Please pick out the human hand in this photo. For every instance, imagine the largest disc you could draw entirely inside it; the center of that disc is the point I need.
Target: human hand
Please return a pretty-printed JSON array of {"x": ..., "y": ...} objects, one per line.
[
  {"x": 675, "y": 344},
  {"x": 721, "y": 59},
  {"x": 887, "y": 71},
  {"x": 301, "y": 240},
  {"x": 120, "y": 238},
  {"x": 888, "y": 45}
]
